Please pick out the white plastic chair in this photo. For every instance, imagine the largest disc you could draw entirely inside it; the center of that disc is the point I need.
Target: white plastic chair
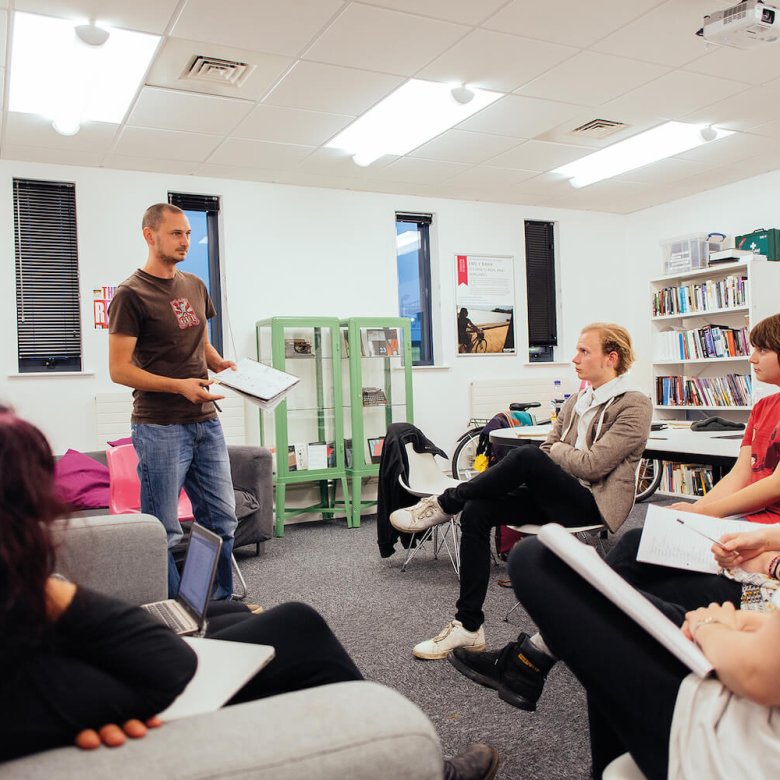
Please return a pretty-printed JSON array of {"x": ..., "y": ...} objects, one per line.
[
  {"x": 424, "y": 478},
  {"x": 622, "y": 768}
]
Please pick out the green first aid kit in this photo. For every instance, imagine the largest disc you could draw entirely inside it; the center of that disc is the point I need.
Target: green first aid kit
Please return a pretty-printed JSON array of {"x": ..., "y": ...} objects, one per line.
[{"x": 761, "y": 242}]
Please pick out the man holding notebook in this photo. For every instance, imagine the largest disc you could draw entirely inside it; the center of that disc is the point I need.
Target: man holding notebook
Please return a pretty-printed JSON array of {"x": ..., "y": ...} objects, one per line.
[{"x": 158, "y": 345}]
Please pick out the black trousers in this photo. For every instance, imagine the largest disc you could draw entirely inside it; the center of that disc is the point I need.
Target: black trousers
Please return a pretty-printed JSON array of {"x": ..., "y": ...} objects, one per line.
[
  {"x": 689, "y": 589},
  {"x": 307, "y": 652},
  {"x": 526, "y": 486},
  {"x": 631, "y": 681}
]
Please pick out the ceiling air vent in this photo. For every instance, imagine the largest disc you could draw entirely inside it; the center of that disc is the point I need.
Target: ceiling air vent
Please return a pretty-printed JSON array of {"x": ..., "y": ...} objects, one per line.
[
  {"x": 217, "y": 71},
  {"x": 599, "y": 128}
]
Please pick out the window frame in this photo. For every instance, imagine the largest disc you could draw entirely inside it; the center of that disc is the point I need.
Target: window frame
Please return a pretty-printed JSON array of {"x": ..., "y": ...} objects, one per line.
[
  {"x": 542, "y": 304},
  {"x": 47, "y": 280},
  {"x": 210, "y": 205},
  {"x": 423, "y": 222}
]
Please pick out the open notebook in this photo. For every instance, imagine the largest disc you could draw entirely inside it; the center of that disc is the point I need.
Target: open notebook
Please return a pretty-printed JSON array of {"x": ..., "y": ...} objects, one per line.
[{"x": 586, "y": 562}]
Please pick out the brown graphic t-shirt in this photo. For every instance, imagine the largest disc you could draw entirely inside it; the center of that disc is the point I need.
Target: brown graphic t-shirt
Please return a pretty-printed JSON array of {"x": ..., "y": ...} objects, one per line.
[{"x": 169, "y": 318}]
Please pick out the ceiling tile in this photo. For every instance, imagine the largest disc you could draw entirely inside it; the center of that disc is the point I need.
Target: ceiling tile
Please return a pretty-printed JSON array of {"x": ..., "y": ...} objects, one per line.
[
  {"x": 177, "y": 54},
  {"x": 291, "y": 125},
  {"x": 461, "y": 11},
  {"x": 664, "y": 172},
  {"x": 259, "y": 25},
  {"x": 484, "y": 176},
  {"x": 665, "y": 34},
  {"x": 413, "y": 170},
  {"x": 382, "y": 40},
  {"x": 493, "y": 60},
  {"x": 590, "y": 78},
  {"x": 617, "y": 197},
  {"x": 83, "y": 157},
  {"x": 520, "y": 117},
  {"x": 674, "y": 95},
  {"x": 167, "y": 109},
  {"x": 337, "y": 162},
  {"x": 463, "y": 146},
  {"x": 165, "y": 144},
  {"x": 731, "y": 150},
  {"x": 753, "y": 66},
  {"x": 571, "y": 22},
  {"x": 540, "y": 156},
  {"x": 151, "y": 16},
  {"x": 35, "y": 130},
  {"x": 151, "y": 164},
  {"x": 332, "y": 89},
  {"x": 235, "y": 172},
  {"x": 258, "y": 154},
  {"x": 742, "y": 111}
]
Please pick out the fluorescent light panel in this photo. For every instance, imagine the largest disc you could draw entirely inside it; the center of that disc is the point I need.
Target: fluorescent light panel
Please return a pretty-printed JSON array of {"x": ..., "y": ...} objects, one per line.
[
  {"x": 416, "y": 112},
  {"x": 55, "y": 74},
  {"x": 657, "y": 144}
]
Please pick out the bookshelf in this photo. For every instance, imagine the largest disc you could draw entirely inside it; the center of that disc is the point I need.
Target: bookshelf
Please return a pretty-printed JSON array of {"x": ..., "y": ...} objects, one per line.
[
  {"x": 377, "y": 361},
  {"x": 700, "y": 323},
  {"x": 306, "y": 430}
]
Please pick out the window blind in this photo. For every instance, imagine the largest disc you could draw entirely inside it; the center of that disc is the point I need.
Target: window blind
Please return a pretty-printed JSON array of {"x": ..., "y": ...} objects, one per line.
[
  {"x": 540, "y": 284},
  {"x": 48, "y": 317}
]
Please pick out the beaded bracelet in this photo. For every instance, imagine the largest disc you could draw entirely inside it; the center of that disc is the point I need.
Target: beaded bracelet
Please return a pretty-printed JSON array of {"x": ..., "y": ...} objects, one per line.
[{"x": 773, "y": 566}]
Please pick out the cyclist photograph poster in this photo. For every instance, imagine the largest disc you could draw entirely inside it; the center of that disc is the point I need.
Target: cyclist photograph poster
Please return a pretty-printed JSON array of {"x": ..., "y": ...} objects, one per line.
[{"x": 485, "y": 304}]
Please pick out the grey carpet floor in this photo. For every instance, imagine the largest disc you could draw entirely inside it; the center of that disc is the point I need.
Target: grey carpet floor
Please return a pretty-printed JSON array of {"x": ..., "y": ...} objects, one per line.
[{"x": 379, "y": 613}]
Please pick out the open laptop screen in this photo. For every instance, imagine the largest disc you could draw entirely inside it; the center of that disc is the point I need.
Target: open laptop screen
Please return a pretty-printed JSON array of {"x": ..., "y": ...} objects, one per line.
[{"x": 198, "y": 575}]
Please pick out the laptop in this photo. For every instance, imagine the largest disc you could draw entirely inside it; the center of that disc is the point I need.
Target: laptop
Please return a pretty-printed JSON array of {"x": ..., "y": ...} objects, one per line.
[{"x": 186, "y": 614}]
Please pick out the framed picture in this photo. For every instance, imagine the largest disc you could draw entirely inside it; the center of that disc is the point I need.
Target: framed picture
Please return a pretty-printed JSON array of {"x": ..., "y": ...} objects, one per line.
[{"x": 375, "y": 448}]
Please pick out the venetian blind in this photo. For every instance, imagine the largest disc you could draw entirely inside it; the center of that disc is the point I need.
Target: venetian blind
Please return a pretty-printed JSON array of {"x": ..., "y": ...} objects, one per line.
[{"x": 540, "y": 284}]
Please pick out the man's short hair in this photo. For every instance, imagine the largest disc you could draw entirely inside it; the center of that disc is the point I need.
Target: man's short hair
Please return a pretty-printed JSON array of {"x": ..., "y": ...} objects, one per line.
[
  {"x": 154, "y": 215},
  {"x": 766, "y": 334},
  {"x": 614, "y": 338}
]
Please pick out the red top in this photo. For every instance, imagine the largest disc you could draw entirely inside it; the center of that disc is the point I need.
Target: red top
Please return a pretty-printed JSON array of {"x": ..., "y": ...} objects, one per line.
[{"x": 763, "y": 437}]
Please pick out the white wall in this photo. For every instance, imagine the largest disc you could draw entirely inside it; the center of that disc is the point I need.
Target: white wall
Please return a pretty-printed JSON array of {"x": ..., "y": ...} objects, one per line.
[{"x": 306, "y": 251}]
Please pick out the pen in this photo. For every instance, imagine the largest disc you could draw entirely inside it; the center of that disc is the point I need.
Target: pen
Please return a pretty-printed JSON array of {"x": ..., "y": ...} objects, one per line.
[{"x": 697, "y": 531}]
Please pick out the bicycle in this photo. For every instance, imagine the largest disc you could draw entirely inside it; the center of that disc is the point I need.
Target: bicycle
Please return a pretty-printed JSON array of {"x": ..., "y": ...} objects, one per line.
[
  {"x": 648, "y": 476},
  {"x": 478, "y": 342}
]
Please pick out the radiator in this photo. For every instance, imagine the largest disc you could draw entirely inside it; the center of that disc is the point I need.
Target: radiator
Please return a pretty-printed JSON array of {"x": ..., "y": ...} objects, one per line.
[
  {"x": 112, "y": 417},
  {"x": 491, "y": 396}
]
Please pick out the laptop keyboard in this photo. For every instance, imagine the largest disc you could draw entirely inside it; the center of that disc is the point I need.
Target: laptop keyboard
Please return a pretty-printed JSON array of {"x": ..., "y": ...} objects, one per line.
[{"x": 165, "y": 614}]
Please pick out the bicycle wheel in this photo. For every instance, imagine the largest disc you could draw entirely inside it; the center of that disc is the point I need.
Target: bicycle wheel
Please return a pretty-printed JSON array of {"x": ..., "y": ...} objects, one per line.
[
  {"x": 648, "y": 478},
  {"x": 480, "y": 345},
  {"x": 465, "y": 452}
]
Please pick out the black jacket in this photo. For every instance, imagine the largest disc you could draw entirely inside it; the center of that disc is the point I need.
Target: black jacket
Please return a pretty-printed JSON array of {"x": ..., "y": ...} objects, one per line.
[{"x": 390, "y": 494}]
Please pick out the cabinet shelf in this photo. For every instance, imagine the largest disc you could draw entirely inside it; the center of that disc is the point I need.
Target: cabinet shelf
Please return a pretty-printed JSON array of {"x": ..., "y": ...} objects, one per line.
[
  {"x": 722, "y": 269},
  {"x": 702, "y": 408},
  {"x": 672, "y": 362},
  {"x": 700, "y": 313}
]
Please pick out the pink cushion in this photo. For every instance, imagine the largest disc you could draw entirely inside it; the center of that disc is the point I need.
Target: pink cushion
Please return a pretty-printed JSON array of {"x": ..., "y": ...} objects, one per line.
[
  {"x": 120, "y": 442},
  {"x": 81, "y": 481}
]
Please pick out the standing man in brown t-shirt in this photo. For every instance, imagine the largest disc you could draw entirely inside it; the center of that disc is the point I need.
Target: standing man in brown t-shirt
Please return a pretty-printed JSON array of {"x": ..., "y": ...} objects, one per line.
[{"x": 159, "y": 345}]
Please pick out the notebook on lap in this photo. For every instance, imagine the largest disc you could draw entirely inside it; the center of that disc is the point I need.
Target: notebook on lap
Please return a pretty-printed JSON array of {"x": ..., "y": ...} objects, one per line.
[{"x": 186, "y": 614}]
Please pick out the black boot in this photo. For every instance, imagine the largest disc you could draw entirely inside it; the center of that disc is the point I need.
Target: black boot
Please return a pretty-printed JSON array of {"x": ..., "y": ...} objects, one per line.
[
  {"x": 517, "y": 671},
  {"x": 479, "y": 762}
]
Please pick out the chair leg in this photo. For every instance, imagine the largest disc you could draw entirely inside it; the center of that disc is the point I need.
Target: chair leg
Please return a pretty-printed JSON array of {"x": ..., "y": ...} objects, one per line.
[
  {"x": 244, "y": 590},
  {"x": 414, "y": 550},
  {"x": 506, "y": 617}
]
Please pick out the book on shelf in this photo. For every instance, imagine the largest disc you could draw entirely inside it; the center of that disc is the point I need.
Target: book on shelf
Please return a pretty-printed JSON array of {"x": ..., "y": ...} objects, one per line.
[
  {"x": 380, "y": 342},
  {"x": 587, "y": 563},
  {"x": 292, "y": 460},
  {"x": 257, "y": 383},
  {"x": 318, "y": 455},
  {"x": 707, "y": 341},
  {"x": 683, "y": 540},
  {"x": 730, "y": 390},
  {"x": 727, "y": 293},
  {"x": 301, "y": 456},
  {"x": 686, "y": 479}
]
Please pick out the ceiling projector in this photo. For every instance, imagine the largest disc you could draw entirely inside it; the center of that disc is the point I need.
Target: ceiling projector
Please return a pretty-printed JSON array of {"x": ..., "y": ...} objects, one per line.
[{"x": 747, "y": 25}]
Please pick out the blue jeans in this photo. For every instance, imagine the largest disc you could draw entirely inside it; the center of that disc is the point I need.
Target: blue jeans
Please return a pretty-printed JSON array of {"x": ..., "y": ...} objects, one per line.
[{"x": 194, "y": 457}]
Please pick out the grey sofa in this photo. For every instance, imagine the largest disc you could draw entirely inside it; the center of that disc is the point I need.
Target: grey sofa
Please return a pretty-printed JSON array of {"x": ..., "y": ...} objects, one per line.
[
  {"x": 356, "y": 730},
  {"x": 251, "y": 469}
]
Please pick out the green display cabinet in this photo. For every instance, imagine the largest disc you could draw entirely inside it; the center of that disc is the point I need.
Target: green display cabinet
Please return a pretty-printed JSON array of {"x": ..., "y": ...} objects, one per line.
[
  {"x": 377, "y": 355},
  {"x": 306, "y": 430}
]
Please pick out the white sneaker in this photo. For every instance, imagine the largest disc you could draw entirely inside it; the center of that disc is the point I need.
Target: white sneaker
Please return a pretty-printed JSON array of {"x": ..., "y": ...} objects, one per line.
[
  {"x": 451, "y": 636},
  {"x": 423, "y": 515}
]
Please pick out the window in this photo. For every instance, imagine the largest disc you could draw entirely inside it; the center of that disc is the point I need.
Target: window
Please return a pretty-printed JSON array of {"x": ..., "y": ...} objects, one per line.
[
  {"x": 203, "y": 258},
  {"x": 540, "y": 290},
  {"x": 48, "y": 316},
  {"x": 414, "y": 281}
]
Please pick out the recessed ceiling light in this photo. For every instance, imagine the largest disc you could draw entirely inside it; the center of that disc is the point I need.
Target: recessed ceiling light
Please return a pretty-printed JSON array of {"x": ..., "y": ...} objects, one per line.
[
  {"x": 663, "y": 141},
  {"x": 54, "y": 72},
  {"x": 416, "y": 112}
]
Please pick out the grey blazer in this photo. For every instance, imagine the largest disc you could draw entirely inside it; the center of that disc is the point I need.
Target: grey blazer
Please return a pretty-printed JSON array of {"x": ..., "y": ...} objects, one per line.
[{"x": 609, "y": 464}]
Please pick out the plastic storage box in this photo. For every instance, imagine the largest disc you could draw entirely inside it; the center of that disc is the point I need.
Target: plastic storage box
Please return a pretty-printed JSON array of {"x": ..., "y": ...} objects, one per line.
[{"x": 688, "y": 253}]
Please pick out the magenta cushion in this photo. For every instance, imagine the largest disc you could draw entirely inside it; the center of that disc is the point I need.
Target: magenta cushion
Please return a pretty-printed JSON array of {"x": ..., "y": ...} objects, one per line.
[
  {"x": 81, "y": 481},
  {"x": 120, "y": 442}
]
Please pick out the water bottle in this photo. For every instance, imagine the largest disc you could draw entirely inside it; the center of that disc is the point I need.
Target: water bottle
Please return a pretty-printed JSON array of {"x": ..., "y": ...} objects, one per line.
[{"x": 556, "y": 398}]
